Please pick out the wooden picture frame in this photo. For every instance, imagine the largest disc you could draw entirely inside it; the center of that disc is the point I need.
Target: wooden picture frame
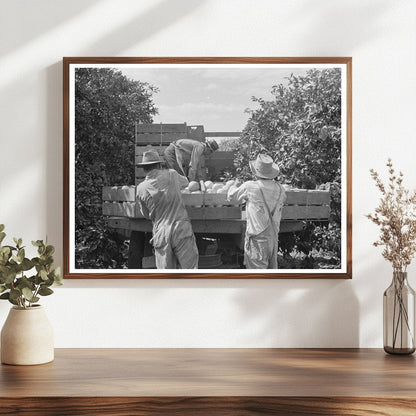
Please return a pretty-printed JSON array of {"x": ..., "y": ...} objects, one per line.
[{"x": 85, "y": 232}]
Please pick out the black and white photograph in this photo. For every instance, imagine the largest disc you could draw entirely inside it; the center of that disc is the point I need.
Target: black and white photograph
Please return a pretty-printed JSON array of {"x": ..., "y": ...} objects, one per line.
[{"x": 214, "y": 167}]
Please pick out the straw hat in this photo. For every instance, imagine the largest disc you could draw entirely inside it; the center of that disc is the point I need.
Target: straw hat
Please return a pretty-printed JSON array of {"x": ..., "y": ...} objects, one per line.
[
  {"x": 212, "y": 144},
  {"x": 263, "y": 167},
  {"x": 150, "y": 157}
]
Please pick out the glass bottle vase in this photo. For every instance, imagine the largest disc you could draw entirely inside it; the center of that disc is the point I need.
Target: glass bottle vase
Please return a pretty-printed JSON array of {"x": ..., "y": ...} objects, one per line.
[{"x": 399, "y": 316}]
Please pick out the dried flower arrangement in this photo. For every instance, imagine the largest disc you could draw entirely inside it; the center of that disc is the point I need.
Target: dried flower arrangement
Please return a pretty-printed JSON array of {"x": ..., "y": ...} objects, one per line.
[{"x": 396, "y": 216}]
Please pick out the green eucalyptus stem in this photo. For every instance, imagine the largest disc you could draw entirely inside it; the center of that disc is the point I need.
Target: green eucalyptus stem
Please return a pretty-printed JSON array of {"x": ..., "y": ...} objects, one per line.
[
  {"x": 35, "y": 293},
  {"x": 22, "y": 279}
]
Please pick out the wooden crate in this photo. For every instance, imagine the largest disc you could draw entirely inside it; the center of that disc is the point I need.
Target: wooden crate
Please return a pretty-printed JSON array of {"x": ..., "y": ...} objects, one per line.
[
  {"x": 304, "y": 204},
  {"x": 300, "y": 204},
  {"x": 307, "y": 197},
  {"x": 158, "y": 138},
  {"x": 195, "y": 133},
  {"x": 304, "y": 212},
  {"x": 121, "y": 201},
  {"x": 214, "y": 213},
  {"x": 219, "y": 161},
  {"x": 164, "y": 127},
  {"x": 164, "y": 134},
  {"x": 205, "y": 199}
]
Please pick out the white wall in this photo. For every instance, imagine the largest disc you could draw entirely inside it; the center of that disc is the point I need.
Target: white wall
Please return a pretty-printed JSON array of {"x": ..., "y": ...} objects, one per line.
[{"x": 380, "y": 35}]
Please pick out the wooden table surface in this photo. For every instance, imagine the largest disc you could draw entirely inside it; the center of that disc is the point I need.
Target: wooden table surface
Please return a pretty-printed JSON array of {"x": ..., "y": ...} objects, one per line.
[{"x": 212, "y": 382}]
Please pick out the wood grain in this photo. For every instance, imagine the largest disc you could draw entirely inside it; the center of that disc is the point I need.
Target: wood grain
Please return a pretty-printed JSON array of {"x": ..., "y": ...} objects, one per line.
[
  {"x": 212, "y": 381},
  {"x": 207, "y": 406}
]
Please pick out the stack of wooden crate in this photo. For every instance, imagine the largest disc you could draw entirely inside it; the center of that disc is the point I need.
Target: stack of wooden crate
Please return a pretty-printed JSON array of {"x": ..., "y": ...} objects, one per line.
[{"x": 159, "y": 136}]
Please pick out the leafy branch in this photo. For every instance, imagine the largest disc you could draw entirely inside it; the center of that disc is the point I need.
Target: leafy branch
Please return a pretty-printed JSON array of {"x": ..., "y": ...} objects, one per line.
[{"x": 15, "y": 285}]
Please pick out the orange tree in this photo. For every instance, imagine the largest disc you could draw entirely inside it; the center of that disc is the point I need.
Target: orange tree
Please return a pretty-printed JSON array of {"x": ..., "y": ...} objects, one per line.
[
  {"x": 107, "y": 104},
  {"x": 301, "y": 129}
]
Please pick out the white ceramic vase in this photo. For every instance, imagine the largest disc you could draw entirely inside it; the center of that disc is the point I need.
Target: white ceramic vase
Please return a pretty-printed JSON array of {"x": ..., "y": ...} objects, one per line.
[{"x": 27, "y": 337}]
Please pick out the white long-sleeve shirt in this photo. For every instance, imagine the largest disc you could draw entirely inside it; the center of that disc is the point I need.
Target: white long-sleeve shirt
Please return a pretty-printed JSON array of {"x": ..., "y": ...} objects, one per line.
[
  {"x": 257, "y": 216},
  {"x": 190, "y": 153},
  {"x": 159, "y": 198}
]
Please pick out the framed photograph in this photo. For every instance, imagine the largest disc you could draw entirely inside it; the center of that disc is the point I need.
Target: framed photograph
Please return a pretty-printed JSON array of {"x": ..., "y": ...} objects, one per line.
[{"x": 207, "y": 167}]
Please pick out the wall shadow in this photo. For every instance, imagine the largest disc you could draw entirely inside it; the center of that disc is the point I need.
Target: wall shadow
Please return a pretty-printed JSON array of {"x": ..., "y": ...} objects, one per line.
[
  {"x": 157, "y": 18},
  {"x": 336, "y": 17},
  {"x": 40, "y": 15},
  {"x": 301, "y": 314},
  {"x": 54, "y": 167}
]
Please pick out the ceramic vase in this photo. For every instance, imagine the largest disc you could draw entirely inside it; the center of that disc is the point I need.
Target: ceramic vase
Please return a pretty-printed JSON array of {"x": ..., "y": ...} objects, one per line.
[{"x": 27, "y": 337}]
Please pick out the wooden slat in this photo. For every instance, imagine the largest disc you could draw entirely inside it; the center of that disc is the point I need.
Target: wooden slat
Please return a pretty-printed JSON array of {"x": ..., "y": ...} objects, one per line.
[
  {"x": 207, "y": 199},
  {"x": 165, "y": 142},
  {"x": 107, "y": 194},
  {"x": 307, "y": 197},
  {"x": 219, "y": 161},
  {"x": 113, "y": 208},
  {"x": 127, "y": 193},
  {"x": 131, "y": 210},
  {"x": 196, "y": 133},
  {"x": 221, "y": 154},
  {"x": 223, "y": 226},
  {"x": 295, "y": 212},
  {"x": 193, "y": 199},
  {"x": 208, "y": 213},
  {"x": 144, "y": 138},
  {"x": 121, "y": 209},
  {"x": 141, "y": 149},
  {"x": 223, "y": 134},
  {"x": 108, "y": 208},
  {"x": 119, "y": 193},
  {"x": 166, "y": 128},
  {"x": 136, "y": 224},
  {"x": 289, "y": 226},
  {"x": 218, "y": 199}
]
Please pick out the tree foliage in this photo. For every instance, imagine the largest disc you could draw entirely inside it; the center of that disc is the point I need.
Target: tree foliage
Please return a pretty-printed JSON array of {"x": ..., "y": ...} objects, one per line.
[
  {"x": 300, "y": 128},
  {"x": 107, "y": 104}
]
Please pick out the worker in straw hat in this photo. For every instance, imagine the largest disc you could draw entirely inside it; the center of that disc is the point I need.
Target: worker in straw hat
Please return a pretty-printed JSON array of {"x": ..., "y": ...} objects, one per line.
[
  {"x": 159, "y": 199},
  {"x": 186, "y": 155},
  {"x": 264, "y": 199}
]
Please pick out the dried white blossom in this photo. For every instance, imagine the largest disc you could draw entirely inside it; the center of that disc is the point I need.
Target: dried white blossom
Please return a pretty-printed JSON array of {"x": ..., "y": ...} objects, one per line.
[{"x": 396, "y": 217}]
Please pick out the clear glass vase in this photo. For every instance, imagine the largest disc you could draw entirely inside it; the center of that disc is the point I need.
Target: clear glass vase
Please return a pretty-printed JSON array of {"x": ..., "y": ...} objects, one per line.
[{"x": 399, "y": 316}]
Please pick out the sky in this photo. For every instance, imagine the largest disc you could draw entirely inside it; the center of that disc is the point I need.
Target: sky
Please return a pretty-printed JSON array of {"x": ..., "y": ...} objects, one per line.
[{"x": 213, "y": 96}]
